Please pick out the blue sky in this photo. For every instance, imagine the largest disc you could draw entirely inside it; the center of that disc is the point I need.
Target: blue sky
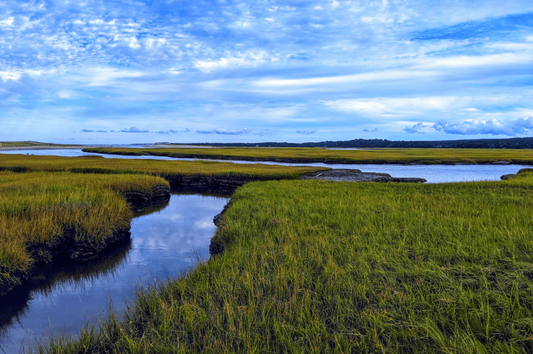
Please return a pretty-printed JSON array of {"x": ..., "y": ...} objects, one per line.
[{"x": 128, "y": 71}]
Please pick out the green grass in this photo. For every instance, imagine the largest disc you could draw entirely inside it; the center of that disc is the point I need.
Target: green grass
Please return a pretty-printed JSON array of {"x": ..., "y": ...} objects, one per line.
[
  {"x": 40, "y": 212},
  {"x": 375, "y": 156},
  {"x": 97, "y": 164},
  {"x": 313, "y": 266},
  {"x": 62, "y": 196}
]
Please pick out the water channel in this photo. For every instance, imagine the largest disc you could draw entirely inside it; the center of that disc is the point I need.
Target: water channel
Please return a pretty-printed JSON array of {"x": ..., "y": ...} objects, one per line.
[
  {"x": 164, "y": 243},
  {"x": 432, "y": 173}
]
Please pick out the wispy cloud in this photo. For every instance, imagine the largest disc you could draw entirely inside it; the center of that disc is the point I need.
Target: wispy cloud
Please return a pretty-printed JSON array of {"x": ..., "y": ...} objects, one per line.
[
  {"x": 306, "y": 132},
  {"x": 264, "y": 132},
  {"x": 134, "y": 130}
]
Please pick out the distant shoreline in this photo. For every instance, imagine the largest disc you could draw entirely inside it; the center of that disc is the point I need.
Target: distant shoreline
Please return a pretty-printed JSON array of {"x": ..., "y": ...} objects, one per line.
[{"x": 10, "y": 148}]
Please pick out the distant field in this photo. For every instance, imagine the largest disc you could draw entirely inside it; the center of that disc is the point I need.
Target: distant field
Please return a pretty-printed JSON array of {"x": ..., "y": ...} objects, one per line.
[
  {"x": 40, "y": 211},
  {"x": 6, "y": 144},
  {"x": 375, "y": 156},
  {"x": 329, "y": 267}
]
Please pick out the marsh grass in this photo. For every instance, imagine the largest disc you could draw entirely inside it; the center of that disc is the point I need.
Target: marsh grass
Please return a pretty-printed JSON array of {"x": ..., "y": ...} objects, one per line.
[
  {"x": 41, "y": 211},
  {"x": 315, "y": 266},
  {"x": 97, "y": 164},
  {"x": 374, "y": 156}
]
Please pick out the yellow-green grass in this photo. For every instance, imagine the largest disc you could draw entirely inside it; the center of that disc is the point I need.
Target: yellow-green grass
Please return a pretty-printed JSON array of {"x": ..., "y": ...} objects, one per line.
[
  {"x": 97, "y": 164},
  {"x": 329, "y": 267},
  {"x": 42, "y": 211},
  {"x": 376, "y": 156},
  {"x": 28, "y": 144}
]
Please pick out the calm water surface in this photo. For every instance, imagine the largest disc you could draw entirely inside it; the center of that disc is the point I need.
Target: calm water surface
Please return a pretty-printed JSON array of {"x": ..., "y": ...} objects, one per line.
[
  {"x": 432, "y": 173},
  {"x": 163, "y": 243}
]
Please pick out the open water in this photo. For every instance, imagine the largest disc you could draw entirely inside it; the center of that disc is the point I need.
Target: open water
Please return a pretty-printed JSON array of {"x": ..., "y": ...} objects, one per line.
[{"x": 164, "y": 243}]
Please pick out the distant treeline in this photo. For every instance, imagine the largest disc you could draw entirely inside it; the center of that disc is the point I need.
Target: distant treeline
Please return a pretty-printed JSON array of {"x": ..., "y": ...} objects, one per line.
[{"x": 513, "y": 143}]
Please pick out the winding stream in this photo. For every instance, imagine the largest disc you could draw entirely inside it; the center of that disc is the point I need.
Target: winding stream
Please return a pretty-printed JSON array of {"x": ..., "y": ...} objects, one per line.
[{"x": 164, "y": 243}]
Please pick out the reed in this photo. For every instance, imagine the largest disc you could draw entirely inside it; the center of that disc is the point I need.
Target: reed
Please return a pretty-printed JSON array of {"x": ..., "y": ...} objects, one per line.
[
  {"x": 314, "y": 266},
  {"x": 367, "y": 156}
]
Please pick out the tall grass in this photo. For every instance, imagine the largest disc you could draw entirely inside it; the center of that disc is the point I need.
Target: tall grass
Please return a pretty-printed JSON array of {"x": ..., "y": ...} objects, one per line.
[
  {"x": 314, "y": 266},
  {"x": 374, "y": 156},
  {"x": 41, "y": 212}
]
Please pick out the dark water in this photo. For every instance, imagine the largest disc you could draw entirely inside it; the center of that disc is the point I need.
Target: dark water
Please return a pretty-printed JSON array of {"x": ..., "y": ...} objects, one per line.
[
  {"x": 432, "y": 173},
  {"x": 163, "y": 243}
]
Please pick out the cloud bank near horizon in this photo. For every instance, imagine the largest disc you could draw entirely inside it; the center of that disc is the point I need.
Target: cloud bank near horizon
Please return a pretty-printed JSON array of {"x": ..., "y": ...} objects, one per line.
[{"x": 333, "y": 70}]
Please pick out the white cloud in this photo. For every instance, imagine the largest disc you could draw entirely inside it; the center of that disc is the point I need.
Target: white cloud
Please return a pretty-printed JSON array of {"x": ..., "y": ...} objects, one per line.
[
  {"x": 392, "y": 107},
  {"x": 476, "y": 61},
  {"x": 7, "y": 22},
  {"x": 67, "y": 94},
  {"x": 102, "y": 76},
  {"x": 416, "y": 128},
  {"x": 9, "y": 76},
  {"x": 331, "y": 80},
  {"x": 250, "y": 58},
  {"x": 511, "y": 127}
]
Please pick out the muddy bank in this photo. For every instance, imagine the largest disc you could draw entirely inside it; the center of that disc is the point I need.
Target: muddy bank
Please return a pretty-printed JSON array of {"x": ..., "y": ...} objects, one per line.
[
  {"x": 212, "y": 184},
  {"x": 511, "y": 175},
  {"x": 66, "y": 247},
  {"x": 342, "y": 175},
  {"x": 139, "y": 200}
]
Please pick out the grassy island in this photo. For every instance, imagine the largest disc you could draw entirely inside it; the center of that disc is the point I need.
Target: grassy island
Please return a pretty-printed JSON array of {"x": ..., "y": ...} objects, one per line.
[
  {"x": 309, "y": 155},
  {"x": 313, "y": 266},
  {"x": 42, "y": 213}
]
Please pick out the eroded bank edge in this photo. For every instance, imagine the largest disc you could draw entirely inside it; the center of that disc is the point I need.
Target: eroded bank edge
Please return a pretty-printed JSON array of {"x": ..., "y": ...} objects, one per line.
[{"x": 46, "y": 254}]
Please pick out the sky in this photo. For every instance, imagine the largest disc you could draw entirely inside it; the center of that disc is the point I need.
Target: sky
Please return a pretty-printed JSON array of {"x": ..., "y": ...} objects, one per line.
[{"x": 126, "y": 71}]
